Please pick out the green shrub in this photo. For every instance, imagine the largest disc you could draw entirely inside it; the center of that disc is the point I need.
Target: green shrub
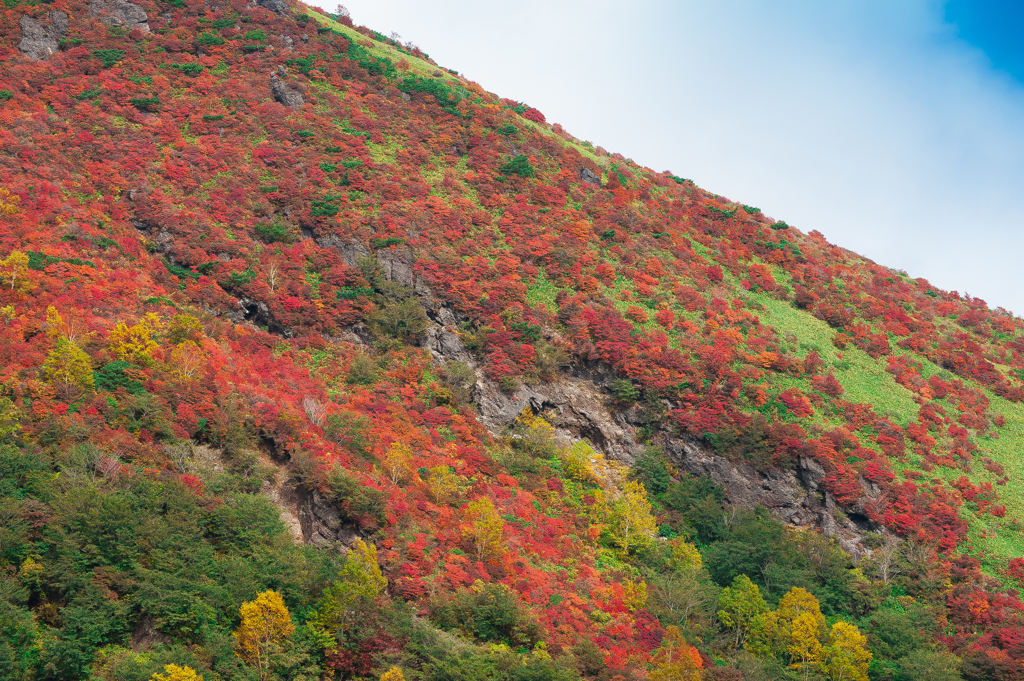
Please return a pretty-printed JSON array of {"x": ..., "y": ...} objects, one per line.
[
  {"x": 492, "y": 612},
  {"x": 624, "y": 390},
  {"x": 780, "y": 225},
  {"x": 108, "y": 57},
  {"x": 223, "y": 23},
  {"x": 333, "y": 150},
  {"x": 5, "y": 95},
  {"x": 145, "y": 103},
  {"x": 208, "y": 38},
  {"x": 248, "y": 49},
  {"x": 324, "y": 209},
  {"x": 111, "y": 377},
  {"x": 140, "y": 80},
  {"x": 274, "y": 233},
  {"x": 305, "y": 134},
  {"x": 385, "y": 243},
  {"x": 188, "y": 69},
  {"x": 255, "y": 35},
  {"x": 88, "y": 94},
  {"x": 520, "y": 166},
  {"x": 328, "y": 167},
  {"x": 357, "y": 500}
]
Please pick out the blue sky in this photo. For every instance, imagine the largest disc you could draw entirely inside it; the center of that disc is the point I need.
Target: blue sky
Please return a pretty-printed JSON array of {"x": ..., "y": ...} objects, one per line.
[{"x": 894, "y": 128}]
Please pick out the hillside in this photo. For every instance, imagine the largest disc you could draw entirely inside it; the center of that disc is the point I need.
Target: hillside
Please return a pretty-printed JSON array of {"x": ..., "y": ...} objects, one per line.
[{"x": 302, "y": 333}]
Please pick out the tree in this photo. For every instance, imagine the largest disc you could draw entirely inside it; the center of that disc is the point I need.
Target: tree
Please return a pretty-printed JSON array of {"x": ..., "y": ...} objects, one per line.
[
  {"x": 176, "y": 673},
  {"x": 393, "y": 674},
  {"x": 631, "y": 522},
  {"x": 266, "y": 622},
  {"x": 68, "y": 368},
  {"x": 13, "y": 266},
  {"x": 396, "y": 461},
  {"x": 132, "y": 344},
  {"x": 846, "y": 657},
  {"x": 486, "y": 529},
  {"x": 675, "y": 660},
  {"x": 186, "y": 360},
  {"x": 738, "y": 606},
  {"x": 804, "y": 646},
  {"x": 346, "y": 603}
]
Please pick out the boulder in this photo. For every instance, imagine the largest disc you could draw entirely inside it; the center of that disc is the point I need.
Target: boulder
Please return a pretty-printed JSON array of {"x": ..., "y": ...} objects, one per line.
[
  {"x": 284, "y": 93},
  {"x": 39, "y": 37},
  {"x": 120, "y": 13},
  {"x": 588, "y": 176},
  {"x": 273, "y": 5}
]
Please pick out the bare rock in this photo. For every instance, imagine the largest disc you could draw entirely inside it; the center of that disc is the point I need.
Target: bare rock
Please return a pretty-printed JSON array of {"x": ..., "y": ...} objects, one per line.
[
  {"x": 579, "y": 411},
  {"x": 120, "y": 13},
  {"x": 350, "y": 250},
  {"x": 445, "y": 345},
  {"x": 588, "y": 176},
  {"x": 284, "y": 93},
  {"x": 278, "y": 6},
  {"x": 39, "y": 37},
  {"x": 322, "y": 525}
]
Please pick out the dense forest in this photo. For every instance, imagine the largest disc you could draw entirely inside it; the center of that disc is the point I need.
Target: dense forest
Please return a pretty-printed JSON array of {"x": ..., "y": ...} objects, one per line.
[{"x": 320, "y": 361}]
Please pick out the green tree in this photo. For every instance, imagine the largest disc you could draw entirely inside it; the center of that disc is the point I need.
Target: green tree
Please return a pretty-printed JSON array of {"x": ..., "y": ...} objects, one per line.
[{"x": 739, "y": 605}]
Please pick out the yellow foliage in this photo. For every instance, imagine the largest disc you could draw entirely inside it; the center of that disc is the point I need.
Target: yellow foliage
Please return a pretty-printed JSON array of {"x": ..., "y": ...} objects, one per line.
[
  {"x": 176, "y": 673},
  {"x": 186, "y": 360},
  {"x": 184, "y": 327},
  {"x": 67, "y": 366},
  {"x": 54, "y": 322},
  {"x": 265, "y": 623},
  {"x": 396, "y": 461},
  {"x": 132, "y": 344},
  {"x": 485, "y": 528},
  {"x": 13, "y": 266},
  {"x": 685, "y": 556},
  {"x": 8, "y": 202},
  {"x": 443, "y": 484},
  {"x": 7, "y": 314},
  {"x": 631, "y": 522},
  {"x": 846, "y": 657},
  {"x": 804, "y": 647},
  {"x": 576, "y": 462},
  {"x": 393, "y": 674},
  {"x": 675, "y": 659},
  {"x": 634, "y": 594}
]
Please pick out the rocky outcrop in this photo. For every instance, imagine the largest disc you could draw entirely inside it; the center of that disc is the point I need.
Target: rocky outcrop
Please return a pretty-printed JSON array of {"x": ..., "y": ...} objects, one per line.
[
  {"x": 795, "y": 495},
  {"x": 119, "y": 13},
  {"x": 285, "y": 93},
  {"x": 588, "y": 176},
  {"x": 40, "y": 36},
  {"x": 278, "y": 6},
  {"x": 323, "y": 526}
]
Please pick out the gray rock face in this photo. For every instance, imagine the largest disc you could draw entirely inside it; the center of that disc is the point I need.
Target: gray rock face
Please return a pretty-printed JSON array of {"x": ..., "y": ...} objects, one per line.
[
  {"x": 445, "y": 346},
  {"x": 273, "y": 5},
  {"x": 323, "y": 526},
  {"x": 588, "y": 176},
  {"x": 39, "y": 37},
  {"x": 120, "y": 13},
  {"x": 795, "y": 495},
  {"x": 284, "y": 93},
  {"x": 350, "y": 250}
]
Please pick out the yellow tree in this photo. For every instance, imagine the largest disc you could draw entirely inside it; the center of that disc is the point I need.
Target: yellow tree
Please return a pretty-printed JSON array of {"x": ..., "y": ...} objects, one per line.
[
  {"x": 846, "y": 657},
  {"x": 631, "y": 522},
  {"x": 186, "y": 360},
  {"x": 266, "y": 622},
  {"x": 443, "y": 484},
  {"x": 486, "y": 529},
  {"x": 176, "y": 673},
  {"x": 804, "y": 646},
  {"x": 675, "y": 660},
  {"x": 13, "y": 266},
  {"x": 393, "y": 674},
  {"x": 68, "y": 368},
  {"x": 132, "y": 344},
  {"x": 396, "y": 461}
]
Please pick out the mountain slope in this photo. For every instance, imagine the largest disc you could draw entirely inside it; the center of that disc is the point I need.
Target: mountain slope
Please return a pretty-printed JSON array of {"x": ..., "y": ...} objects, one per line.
[{"x": 258, "y": 261}]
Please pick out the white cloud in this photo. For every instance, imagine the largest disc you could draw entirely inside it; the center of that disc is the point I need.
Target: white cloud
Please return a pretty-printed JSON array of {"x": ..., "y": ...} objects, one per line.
[{"x": 868, "y": 121}]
